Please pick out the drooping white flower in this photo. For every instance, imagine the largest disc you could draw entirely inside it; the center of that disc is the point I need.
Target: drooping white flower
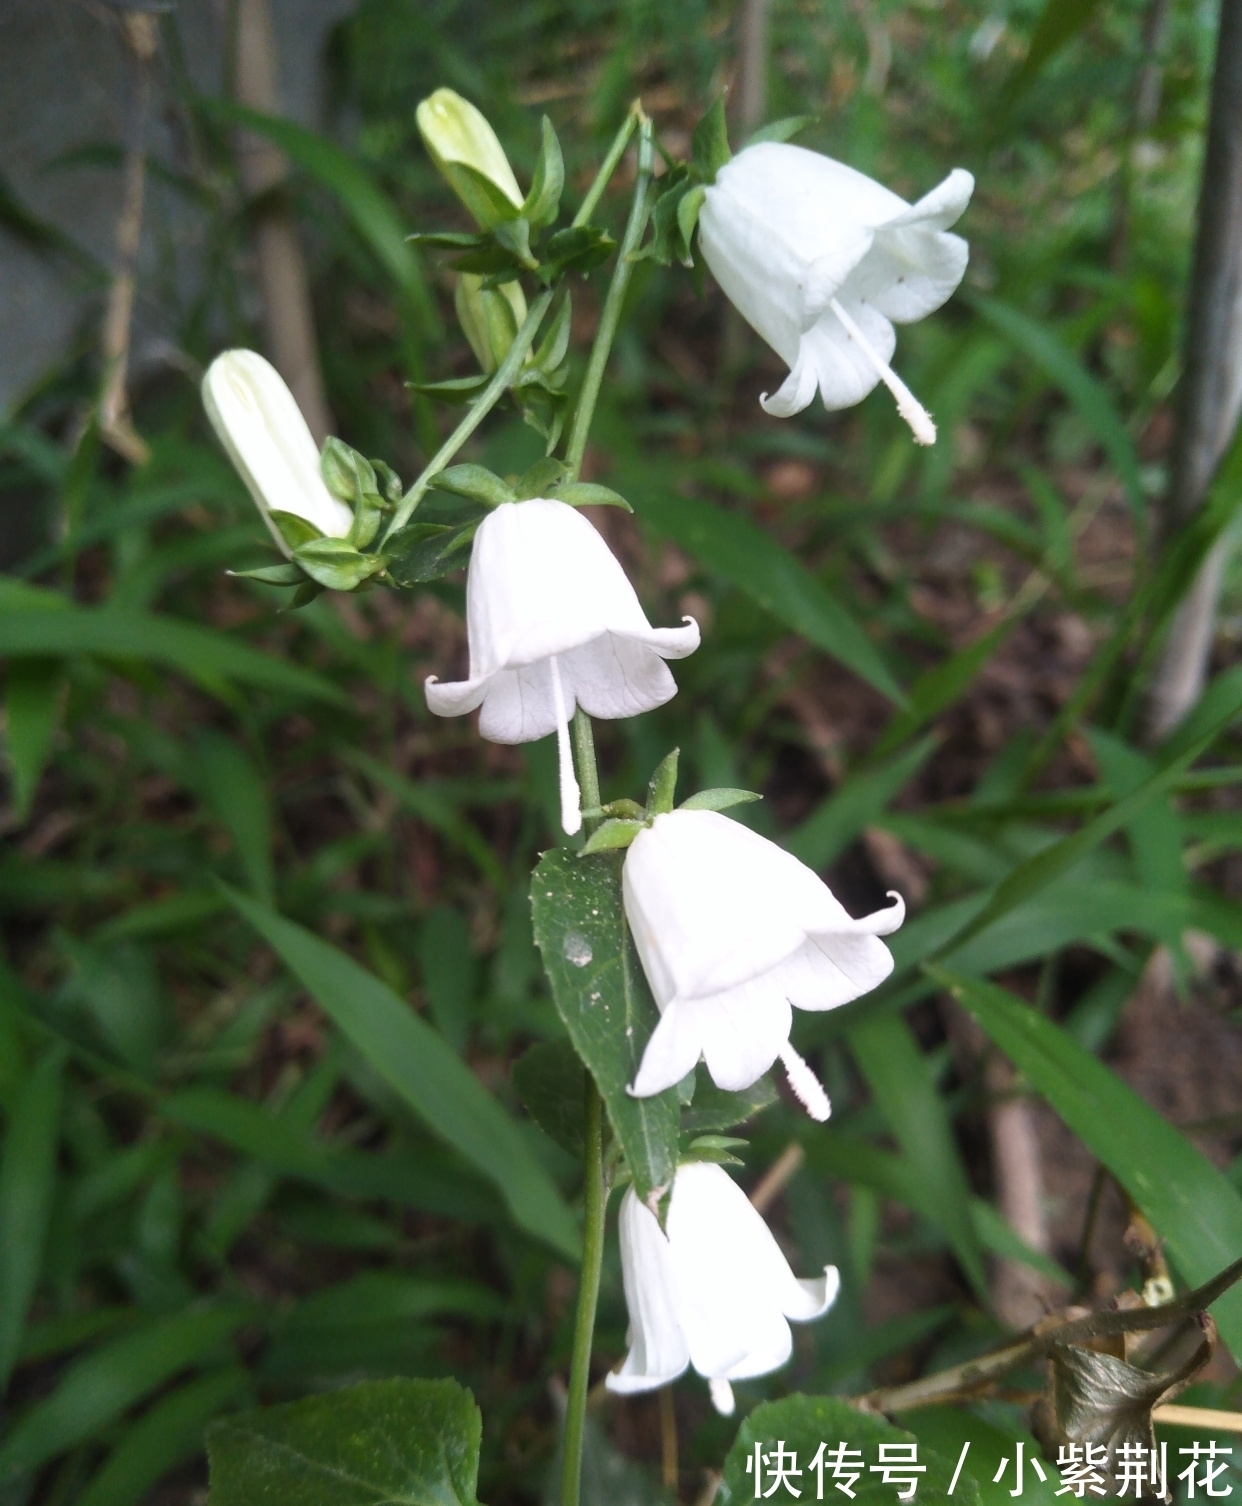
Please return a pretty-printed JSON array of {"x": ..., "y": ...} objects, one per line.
[
  {"x": 259, "y": 423},
  {"x": 554, "y": 623},
  {"x": 732, "y": 931},
  {"x": 822, "y": 261},
  {"x": 715, "y": 1293}
]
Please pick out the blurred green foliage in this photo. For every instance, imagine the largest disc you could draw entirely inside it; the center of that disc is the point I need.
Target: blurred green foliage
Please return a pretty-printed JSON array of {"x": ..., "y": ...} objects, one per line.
[{"x": 215, "y": 1190}]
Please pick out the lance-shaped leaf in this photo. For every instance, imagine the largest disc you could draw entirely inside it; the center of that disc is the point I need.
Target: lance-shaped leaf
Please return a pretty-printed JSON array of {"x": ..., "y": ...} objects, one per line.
[
  {"x": 398, "y": 1442},
  {"x": 603, "y": 998}
]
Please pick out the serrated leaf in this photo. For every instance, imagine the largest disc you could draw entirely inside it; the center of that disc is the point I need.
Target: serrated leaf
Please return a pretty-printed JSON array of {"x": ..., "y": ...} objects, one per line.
[
  {"x": 802, "y": 1423},
  {"x": 784, "y": 129},
  {"x": 589, "y": 494},
  {"x": 381, "y": 1443},
  {"x": 335, "y": 564},
  {"x": 475, "y": 482},
  {"x": 611, "y": 835},
  {"x": 602, "y": 996},
  {"x": 543, "y": 202},
  {"x": 551, "y": 1082},
  {"x": 294, "y": 530},
  {"x": 710, "y": 142},
  {"x": 718, "y": 800}
]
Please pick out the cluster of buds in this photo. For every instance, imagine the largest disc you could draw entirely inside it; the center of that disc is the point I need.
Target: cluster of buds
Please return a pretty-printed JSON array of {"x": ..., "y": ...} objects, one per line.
[{"x": 732, "y": 932}]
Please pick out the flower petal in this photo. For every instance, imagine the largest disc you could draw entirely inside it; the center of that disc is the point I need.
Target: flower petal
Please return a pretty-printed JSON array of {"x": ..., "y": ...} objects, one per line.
[
  {"x": 742, "y": 1030},
  {"x": 658, "y": 1350},
  {"x": 673, "y": 1050}
]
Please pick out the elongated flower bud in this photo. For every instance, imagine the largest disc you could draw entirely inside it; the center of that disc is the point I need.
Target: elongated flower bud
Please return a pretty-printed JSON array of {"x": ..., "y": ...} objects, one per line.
[
  {"x": 465, "y": 149},
  {"x": 259, "y": 423}
]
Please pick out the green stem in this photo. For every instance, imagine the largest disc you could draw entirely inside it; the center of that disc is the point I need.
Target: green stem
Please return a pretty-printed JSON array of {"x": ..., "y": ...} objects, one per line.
[
  {"x": 595, "y": 1201},
  {"x": 588, "y": 772},
  {"x": 609, "y": 165},
  {"x": 479, "y": 410},
  {"x": 610, "y": 315}
]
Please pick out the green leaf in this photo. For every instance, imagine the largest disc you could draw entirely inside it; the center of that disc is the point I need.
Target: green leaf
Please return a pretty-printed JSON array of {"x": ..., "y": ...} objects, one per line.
[
  {"x": 381, "y": 1443},
  {"x": 457, "y": 390},
  {"x": 1063, "y": 368},
  {"x": 543, "y": 202},
  {"x": 553, "y": 348},
  {"x": 1194, "y": 1207},
  {"x": 784, "y": 129},
  {"x": 551, "y": 1082},
  {"x": 713, "y": 1108},
  {"x": 513, "y": 236},
  {"x": 273, "y": 575},
  {"x": 576, "y": 248},
  {"x": 710, "y": 142},
  {"x": 99, "y": 1388},
  {"x": 237, "y": 793},
  {"x": 739, "y": 550},
  {"x": 1059, "y": 23},
  {"x": 336, "y": 565},
  {"x": 802, "y": 1423},
  {"x": 719, "y": 800},
  {"x": 32, "y": 700},
  {"x": 611, "y": 835},
  {"x": 201, "y": 653},
  {"x": 588, "y": 494},
  {"x": 425, "y": 1071},
  {"x": 859, "y": 802},
  {"x": 602, "y": 996},
  {"x": 167, "y": 1435},
  {"x": 940, "y": 687},
  {"x": 946, "y": 1429},
  {"x": 475, "y": 482},
  {"x": 27, "y": 1184},
  {"x": 420, "y": 552},
  {"x": 901, "y": 1083}
]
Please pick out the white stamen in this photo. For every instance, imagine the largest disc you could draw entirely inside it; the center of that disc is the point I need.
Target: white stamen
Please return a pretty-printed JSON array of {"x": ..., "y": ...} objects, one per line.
[
  {"x": 808, "y": 1089},
  {"x": 914, "y": 413},
  {"x": 571, "y": 795},
  {"x": 722, "y": 1397}
]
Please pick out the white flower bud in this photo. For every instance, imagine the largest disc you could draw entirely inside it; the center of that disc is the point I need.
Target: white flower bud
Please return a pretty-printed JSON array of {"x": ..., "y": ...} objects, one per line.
[
  {"x": 715, "y": 1293},
  {"x": 822, "y": 261},
  {"x": 457, "y": 136},
  {"x": 553, "y": 623},
  {"x": 732, "y": 931},
  {"x": 259, "y": 423}
]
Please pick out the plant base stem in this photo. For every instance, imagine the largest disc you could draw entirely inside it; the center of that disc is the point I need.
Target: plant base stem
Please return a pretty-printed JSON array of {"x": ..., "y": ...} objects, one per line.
[{"x": 595, "y": 1201}]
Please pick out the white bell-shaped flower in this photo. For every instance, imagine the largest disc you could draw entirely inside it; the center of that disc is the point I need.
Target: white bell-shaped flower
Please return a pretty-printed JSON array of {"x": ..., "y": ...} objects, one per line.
[
  {"x": 715, "y": 1292},
  {"x": 553, "y": 624},
  {"x": 822, "y": 261},
  {"x": 259, "y": 423},
  {"x": 732, "y": 931}
]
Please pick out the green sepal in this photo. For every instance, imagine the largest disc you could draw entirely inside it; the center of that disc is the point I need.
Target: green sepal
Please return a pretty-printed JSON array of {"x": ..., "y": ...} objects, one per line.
[
  {"x": 665, "y": 245},
  {"x": 304, "y": 595},
  {"x": 554, "y": 346},
  {"x": 420, "y": 552},
  {"x": 475, "y": 482},
  {"x": 577, "y": 248},
  {"x": 611, "y": 835},
  {"x": 457, "y": 390},
  {"x": 368, "y": 511},
  {"x": 588, "y": 494},
  {"x": 718, "y": 800},
  {"x": 542, "y": 410},
  {"x": 710, "y": 142},
  {"x": 273, "y": 575},
  {"x": 551, "y": 1082},
  {"x": 663, "y": 785},
  {"x": 541, "y": 479},
  {"x": 492, "y": 260},
  {"x": 347, "y": 474},
  {"x": 496, "y": 205},
  {"x": 624, "y": 808},
  {"x": 715, "y": 1148},
  {"x": 688, "y": 207},
  {"x": 295, "y": 530},
  {"x": 784, "y": 129},
  {"x": 543, "y": 202},
  {"x": 336, "y": 565},
  {"x": 389, "y": 481},
  {"x": 513, "y": 236}
]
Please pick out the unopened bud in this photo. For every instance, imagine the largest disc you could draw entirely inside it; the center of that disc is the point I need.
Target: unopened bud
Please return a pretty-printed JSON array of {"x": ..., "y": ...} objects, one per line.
[{"x": 464, "y": 147}]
